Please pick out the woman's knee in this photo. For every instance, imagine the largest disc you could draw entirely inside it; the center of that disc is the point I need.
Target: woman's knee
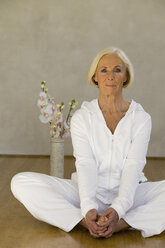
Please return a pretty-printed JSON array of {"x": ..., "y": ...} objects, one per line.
[{"x": 17, "y": 182}]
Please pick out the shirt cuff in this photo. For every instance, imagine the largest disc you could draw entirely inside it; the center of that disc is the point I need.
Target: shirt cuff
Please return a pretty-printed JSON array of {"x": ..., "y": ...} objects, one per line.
[
  {"x": 86, "y": 208},
  {"x": 118, "y": 209}
]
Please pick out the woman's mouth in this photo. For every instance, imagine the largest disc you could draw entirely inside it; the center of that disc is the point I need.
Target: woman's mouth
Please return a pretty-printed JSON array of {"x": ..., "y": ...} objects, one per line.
[{"x": 110, "y": 85}]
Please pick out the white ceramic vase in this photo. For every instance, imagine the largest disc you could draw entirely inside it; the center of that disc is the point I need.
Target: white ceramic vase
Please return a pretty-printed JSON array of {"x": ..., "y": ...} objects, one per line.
[{"x": 57, "y": 157}]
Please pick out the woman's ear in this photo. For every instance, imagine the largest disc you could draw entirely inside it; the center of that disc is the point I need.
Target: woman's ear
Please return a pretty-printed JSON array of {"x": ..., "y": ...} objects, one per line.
[
  {"x": 125, "y": 77},
  {"x": 95, "y": 77},
  {"x": 94, "y": 80}
]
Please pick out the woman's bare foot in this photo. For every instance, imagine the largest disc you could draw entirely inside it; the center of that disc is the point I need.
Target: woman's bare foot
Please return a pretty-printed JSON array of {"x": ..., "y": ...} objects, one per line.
[
  {"x": 83, "y": 223},
  {"x": 121, "y": 226}
]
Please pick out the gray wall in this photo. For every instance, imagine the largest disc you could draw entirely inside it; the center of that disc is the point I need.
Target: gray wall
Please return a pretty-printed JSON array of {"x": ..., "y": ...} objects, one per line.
[{"x": 56, "y": 41}]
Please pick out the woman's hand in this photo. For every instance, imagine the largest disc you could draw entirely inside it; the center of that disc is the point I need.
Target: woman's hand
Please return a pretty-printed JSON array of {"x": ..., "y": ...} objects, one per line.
[
  {"x": 91, "y": 219},
  {"x": 108, "y": 219}
]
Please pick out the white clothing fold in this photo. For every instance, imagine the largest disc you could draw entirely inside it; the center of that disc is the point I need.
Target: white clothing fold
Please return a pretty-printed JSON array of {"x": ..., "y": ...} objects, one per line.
[{"x": 56, "y": 201}]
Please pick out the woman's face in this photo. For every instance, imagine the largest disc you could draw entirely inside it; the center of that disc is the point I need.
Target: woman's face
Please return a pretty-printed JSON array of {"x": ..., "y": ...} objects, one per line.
[{"x": 110, "y": 74}]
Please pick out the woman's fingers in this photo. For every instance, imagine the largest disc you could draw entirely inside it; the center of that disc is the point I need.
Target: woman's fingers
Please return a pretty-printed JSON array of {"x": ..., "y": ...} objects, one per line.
[
  {"x": 92, "y": 226},
  {"x": 108, "y": 236},
  {"x": 103, "y": 224},
  {"x": 98, "y": 233},
  {"x": 101, "y": 229},
  {"x": 107, "y": 233},
  {"x": 95, "y": 235}
]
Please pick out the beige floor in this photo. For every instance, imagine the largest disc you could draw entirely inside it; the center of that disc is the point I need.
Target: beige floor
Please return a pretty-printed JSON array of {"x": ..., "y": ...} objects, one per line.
[{"x": 19, "y": 229}]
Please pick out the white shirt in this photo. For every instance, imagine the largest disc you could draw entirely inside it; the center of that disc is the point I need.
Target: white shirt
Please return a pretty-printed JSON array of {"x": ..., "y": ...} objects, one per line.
[{"x": 109, "y": 166}]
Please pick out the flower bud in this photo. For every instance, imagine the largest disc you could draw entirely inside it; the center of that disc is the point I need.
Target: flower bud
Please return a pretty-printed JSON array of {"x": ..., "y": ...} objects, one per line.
[
  {"x": 43, "y": 105},
  {"x": 46, "y": 115},
  {"x": 52, "y": 125},
  {"x": 53, "y": 132}
]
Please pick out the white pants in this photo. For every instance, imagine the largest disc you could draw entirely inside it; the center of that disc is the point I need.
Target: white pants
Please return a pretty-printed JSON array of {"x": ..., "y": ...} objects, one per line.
[{"x": 56, "y": 201}]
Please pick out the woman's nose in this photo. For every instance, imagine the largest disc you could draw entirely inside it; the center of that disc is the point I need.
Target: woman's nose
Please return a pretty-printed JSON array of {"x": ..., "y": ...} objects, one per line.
[{"x": 110, "y": 75}]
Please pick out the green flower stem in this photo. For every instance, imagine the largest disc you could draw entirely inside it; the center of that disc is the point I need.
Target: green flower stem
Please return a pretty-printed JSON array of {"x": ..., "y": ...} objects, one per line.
[{"x": 69, "y": 113}]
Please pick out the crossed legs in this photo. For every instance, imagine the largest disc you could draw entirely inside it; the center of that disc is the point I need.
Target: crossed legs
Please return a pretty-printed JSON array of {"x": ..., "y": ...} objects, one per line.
[{"x": 56, "y": 201}]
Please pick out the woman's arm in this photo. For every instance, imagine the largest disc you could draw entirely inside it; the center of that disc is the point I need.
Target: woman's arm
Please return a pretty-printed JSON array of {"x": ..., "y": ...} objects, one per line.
[
  {"x": 134, "y": 165},
  {"x": 85, "y": 163}
]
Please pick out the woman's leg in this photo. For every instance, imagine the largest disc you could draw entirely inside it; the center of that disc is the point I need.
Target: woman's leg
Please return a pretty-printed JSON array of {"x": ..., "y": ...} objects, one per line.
[
  {"x": 148, "y": 211},
  {"x": 49, "y": 199}
]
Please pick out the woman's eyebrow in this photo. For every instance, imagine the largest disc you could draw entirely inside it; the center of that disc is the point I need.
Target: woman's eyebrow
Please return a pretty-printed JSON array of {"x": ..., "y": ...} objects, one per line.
[{"x": 114, "y": 66}]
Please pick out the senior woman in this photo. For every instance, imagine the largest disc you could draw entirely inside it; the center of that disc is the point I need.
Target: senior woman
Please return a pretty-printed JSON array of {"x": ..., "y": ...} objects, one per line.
[{"x": 109, "y": 191}]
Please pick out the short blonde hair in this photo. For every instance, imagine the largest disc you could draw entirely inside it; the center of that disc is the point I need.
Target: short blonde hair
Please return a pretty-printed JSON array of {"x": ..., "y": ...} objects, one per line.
[{"x": 122, "y": 56}]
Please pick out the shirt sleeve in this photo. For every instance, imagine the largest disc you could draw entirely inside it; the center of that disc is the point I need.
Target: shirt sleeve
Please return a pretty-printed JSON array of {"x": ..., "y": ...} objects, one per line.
[
  {"x": 86, "y": 165},
  {"x": 134, "y": 165}
]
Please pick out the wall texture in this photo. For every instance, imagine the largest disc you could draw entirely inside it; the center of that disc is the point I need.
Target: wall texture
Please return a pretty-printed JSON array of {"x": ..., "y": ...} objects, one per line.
[{"x": 56, "y": 41}]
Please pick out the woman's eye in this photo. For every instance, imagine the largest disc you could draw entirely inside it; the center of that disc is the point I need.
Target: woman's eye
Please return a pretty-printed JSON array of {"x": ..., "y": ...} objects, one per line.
[
  {"x": 117, "y": 70},
  {"x": 104, "y": 70}
]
